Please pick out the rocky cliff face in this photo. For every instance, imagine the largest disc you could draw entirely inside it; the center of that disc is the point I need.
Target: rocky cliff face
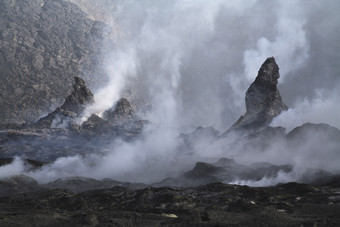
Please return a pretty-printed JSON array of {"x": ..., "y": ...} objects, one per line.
[
  {"x": 43, "y": 45},
  {"x": 263, "y": 100}
]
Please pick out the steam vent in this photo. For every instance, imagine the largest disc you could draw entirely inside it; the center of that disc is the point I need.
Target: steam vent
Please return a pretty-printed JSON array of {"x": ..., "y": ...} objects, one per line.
[{"x": 263, "y": 100}]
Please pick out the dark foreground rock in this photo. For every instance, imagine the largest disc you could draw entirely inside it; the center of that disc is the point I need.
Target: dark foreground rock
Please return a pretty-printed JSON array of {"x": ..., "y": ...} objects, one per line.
[
  {"x": 263, "y": 100},
  {"x": 214, "y": 204}
]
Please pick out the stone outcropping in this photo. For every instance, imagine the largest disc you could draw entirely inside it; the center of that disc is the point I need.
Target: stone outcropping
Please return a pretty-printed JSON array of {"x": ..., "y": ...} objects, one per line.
[
  {"x": 73, "y": 106},
  {"x": 120, "y": 113},
  {"x": 263, "y": 100},
  {"x": 59, "y": 134},
  {"x": 43, "y": 45}
]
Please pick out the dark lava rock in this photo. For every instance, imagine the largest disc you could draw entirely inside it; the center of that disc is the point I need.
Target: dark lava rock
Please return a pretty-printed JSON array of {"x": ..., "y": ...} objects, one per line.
[
  {"x": 263, "y": 100},
  {"x": 214, "y": 204},
  {"x": 204, "y": 171},
  {"x": 58, "y": 134},
  {"x": 17, "y": 184},
  {"x": 43, "y": 45},
  {"x": 96, "y": 124},
  {"x": 120, "y": 121},
  {"x": 79, "y": 98},
  {"x": 81, "y": 184},
  {"x": 120, "y": 113},
  {"x": 228, "y": 171},
  {"x": 73, "y": 106},
  {"x": 310, "y": 130}
]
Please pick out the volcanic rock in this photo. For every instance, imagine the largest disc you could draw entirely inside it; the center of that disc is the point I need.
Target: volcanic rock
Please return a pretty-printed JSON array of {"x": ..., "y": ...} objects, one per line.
[
  {"x": 43, "y": 45},
  {"x": 17, "y": 184},
  {"x": 79, "y": 97},
  {"x": 263, "y": 100},
  {"x": 321, "y": 131},
  {"x": 81, "y": 184},
  {"x": 120, "y": 113},
  {"x": 73, "y": 106},
  {"x": 215, "y": 204},
  {"x": 58, "y": 134}
]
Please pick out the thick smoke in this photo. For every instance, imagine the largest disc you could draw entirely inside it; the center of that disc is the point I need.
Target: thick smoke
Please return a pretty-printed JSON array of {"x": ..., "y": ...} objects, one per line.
[
  {"x": 193, "y": 61},
  {"x": 322, "y": 108}
]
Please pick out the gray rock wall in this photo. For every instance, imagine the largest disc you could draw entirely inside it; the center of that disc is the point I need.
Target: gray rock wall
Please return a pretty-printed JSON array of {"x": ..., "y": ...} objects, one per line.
[{"x": 43, "y": 45}]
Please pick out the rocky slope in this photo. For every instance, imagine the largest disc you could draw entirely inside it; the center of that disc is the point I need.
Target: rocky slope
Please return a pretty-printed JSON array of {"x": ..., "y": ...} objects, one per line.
[
  {"x": 263, "y": 100},
  {"x": 43, "y": 45}
]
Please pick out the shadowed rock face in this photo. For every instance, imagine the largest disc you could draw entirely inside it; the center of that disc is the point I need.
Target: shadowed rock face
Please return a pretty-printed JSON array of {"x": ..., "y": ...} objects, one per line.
[
  {"x": 73, "y": 106},
  {"x": 120, "y": 113},
  {"x": 263, "y": 100},
  {"x": 43, "y": 45},
  {"x": 58, "y": 134},
  {"x": 79, "y": 97}
]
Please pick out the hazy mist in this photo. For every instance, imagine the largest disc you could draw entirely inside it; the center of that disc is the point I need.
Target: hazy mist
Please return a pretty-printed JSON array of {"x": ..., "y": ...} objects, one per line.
[{"x": 192, "y": 61}]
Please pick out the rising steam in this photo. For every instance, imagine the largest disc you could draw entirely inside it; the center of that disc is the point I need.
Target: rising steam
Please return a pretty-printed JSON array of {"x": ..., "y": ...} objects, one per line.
[{"x": 193, "y": 61}]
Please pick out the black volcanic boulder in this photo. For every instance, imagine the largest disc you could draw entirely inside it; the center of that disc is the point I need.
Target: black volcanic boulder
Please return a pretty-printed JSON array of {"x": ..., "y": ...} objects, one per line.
[{"x": 263, "y": 100}]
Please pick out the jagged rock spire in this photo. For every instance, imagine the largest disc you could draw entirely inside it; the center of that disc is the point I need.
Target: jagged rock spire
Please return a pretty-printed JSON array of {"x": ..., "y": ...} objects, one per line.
[
  {"x": 263, "y": 100},
  {"x": 79, "y": 97},
  {"x": 73, "y": 106}
]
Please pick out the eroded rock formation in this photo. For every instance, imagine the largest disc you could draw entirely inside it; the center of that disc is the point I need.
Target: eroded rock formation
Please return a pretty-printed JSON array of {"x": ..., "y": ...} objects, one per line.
[
  {"x": 263, "y": 100},
  {"x": 72, "y": 108}
]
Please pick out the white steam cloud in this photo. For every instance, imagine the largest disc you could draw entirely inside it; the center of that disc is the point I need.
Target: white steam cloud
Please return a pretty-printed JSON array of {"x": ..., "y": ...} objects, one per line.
[
  {"x": 193, "y": 60},
  {"x": 323, "y": 108}
]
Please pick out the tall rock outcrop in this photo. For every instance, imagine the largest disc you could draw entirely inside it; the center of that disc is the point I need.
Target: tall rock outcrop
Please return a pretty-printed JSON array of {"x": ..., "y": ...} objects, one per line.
[
  {"x": 79, "y": 97},
  {"x": 263, "y": 100},
  {"x": 73, "y": 106}
]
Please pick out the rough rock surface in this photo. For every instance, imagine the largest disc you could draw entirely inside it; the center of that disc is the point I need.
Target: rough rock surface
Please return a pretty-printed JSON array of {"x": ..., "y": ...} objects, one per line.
[
  {"x": 58, "y": 134},
  {"x": 214, "y": 204},
  {"x": 72, "y": 108},
  {"x": 120, "y": 113},
  {"x": 43, "y": 45},
  {"x": 263, "y": 100},
  {"x": 79, "y": 98}
]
